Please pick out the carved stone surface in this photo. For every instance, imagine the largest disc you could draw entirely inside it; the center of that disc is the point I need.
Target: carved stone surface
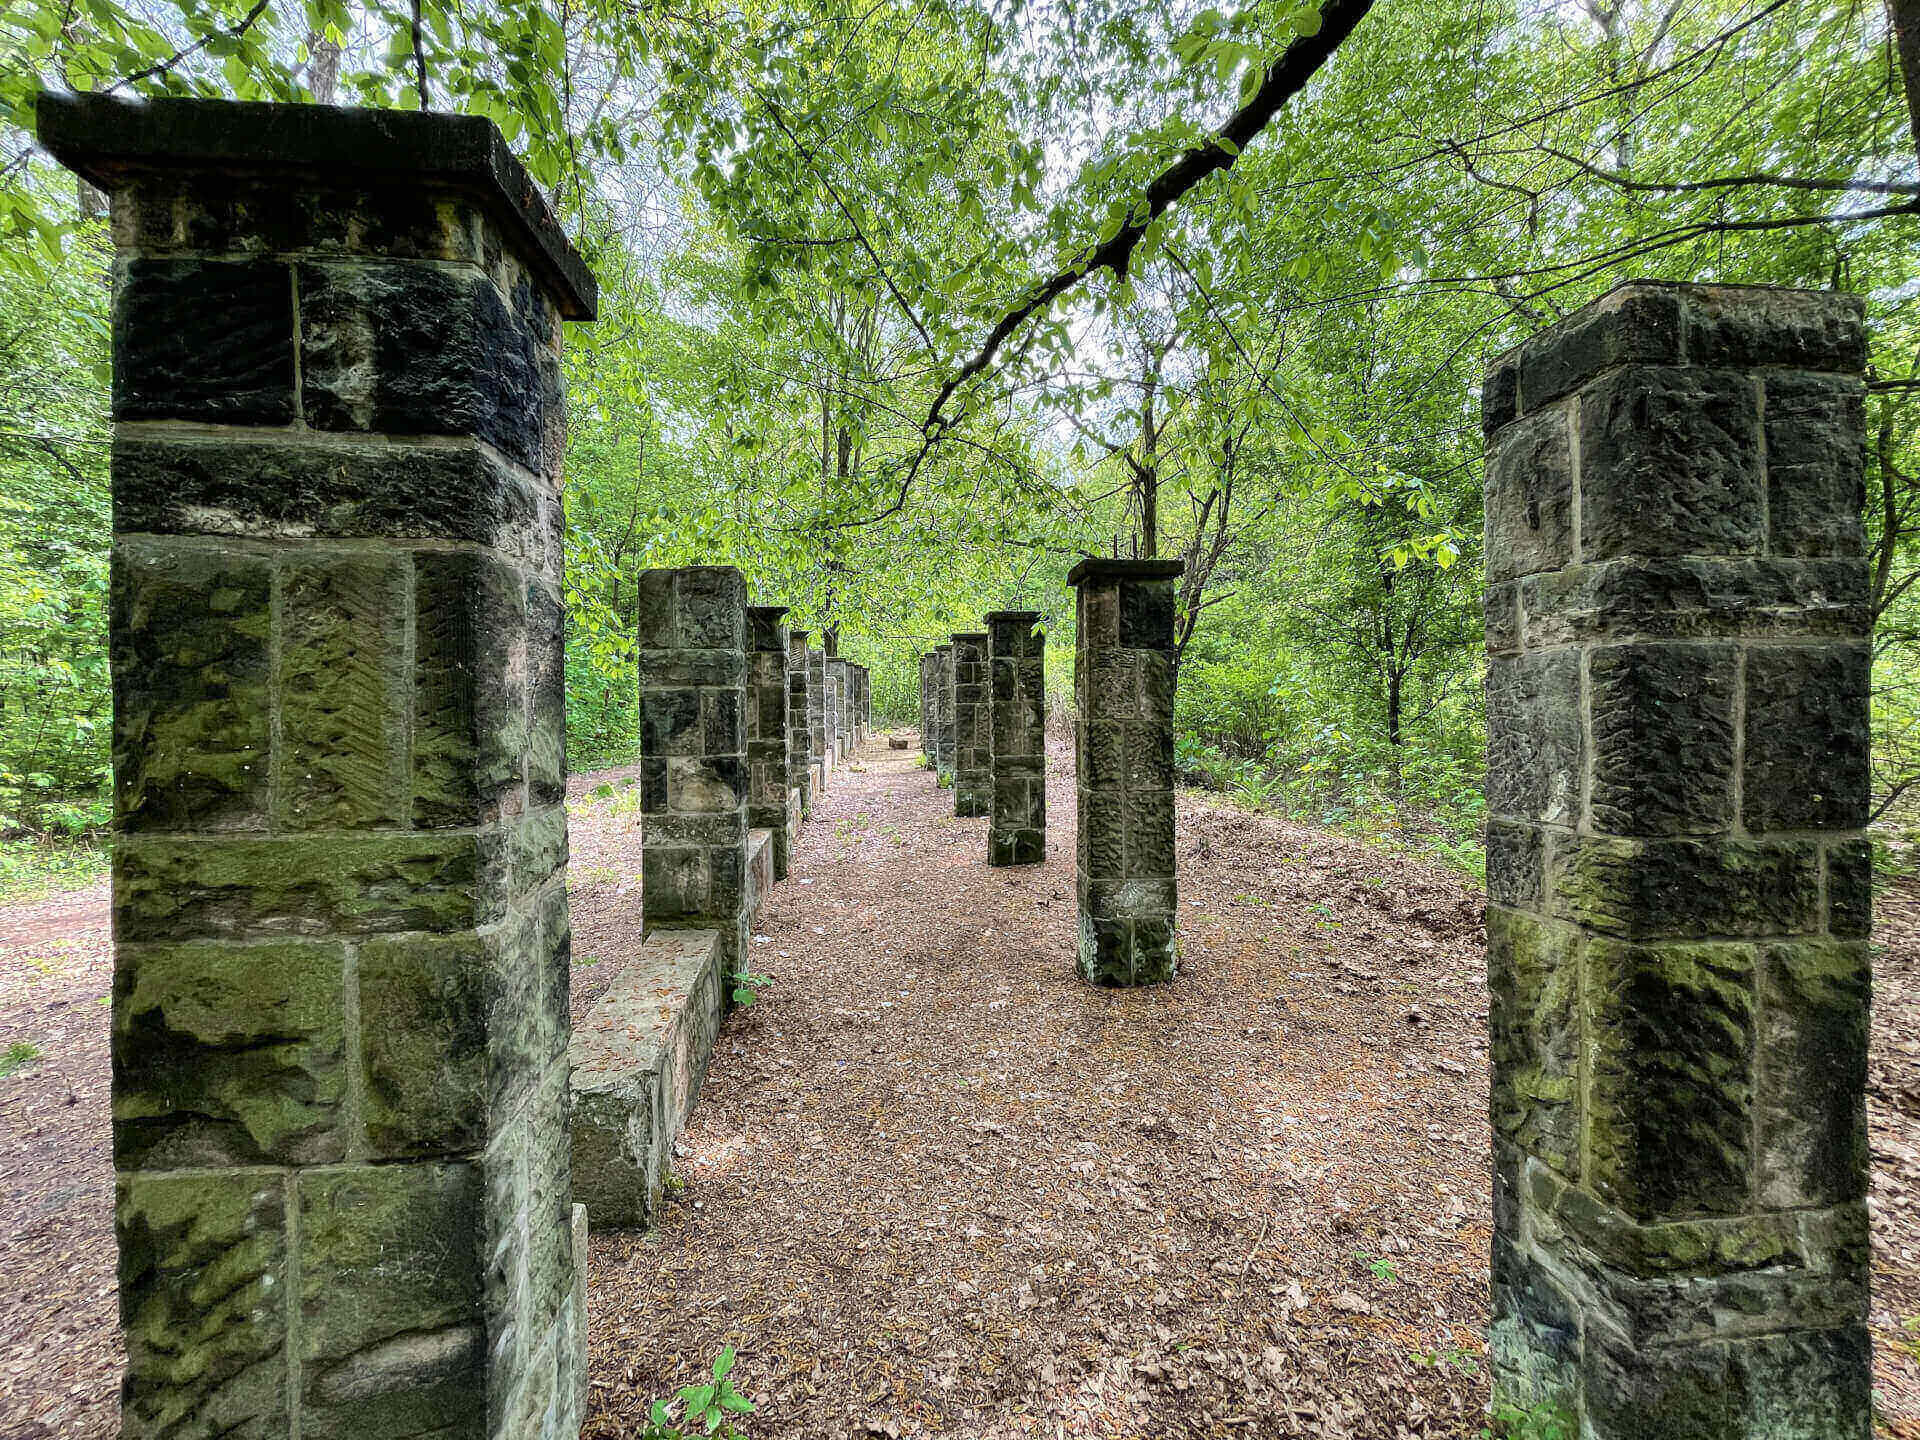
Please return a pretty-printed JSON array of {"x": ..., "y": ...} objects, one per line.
[
  {"x": 692, "y": 636},
  {"x": 340, "y": 1004},
  {"x": 1676, "y": 875},
  {"x": 1016, "y": 663},
  {"x": 972, "y": 726},
  {"x": 767, "y": 703},
  {"x": 1123, "y": 686},
  {"x": 799, "y": 741}
]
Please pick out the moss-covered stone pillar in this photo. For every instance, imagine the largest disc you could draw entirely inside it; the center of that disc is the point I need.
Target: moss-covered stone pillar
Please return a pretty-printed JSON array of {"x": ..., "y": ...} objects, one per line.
[
  {"x": 1123, "y": 688},
  {"x": 340, "y": 987},
  {"x": 943, "y": 709},
  {"x": 767, "y": 728},
  {"x": 926, "y": 706},
  {"x": 972, "y": 726},
  {"x": 1017, "y": 685},
  {"x": 860, "y": 717},
  {"x": 817, "y": 718},
  {"x": 692, "y": 637},
  {"x": 1676, "y": 870},
  {"x": 837, "y": 709},
  {"x": 799, "y": 743}
]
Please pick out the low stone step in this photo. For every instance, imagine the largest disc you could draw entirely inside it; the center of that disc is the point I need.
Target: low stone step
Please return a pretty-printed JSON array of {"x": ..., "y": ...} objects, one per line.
[
  {"x": 759, "y": 871},
  {"x": 637, "y": 1062}
]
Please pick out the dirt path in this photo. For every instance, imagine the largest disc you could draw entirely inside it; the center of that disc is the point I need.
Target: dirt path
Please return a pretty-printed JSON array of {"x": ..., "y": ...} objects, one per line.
[{"x": 936, "y": 1185}]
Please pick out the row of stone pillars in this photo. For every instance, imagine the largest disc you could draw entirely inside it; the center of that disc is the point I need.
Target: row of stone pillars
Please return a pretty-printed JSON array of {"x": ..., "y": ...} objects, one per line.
[
  {"x": 340, "y": 1009},
  {"x": 983, "y": 728}
]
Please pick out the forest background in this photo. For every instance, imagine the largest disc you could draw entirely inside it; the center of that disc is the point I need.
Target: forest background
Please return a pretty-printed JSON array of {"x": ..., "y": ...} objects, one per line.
[{"x": 906, "y": 305}]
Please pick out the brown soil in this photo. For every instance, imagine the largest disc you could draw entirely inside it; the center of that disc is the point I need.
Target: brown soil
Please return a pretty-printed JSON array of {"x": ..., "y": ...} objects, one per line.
[{"x": 936, "y": 1184}]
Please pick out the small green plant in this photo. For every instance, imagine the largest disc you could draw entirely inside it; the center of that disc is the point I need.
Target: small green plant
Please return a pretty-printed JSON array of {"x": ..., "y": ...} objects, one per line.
[
  {"x": 1542, "y": 1422},
  {"x": 705, "y": 1409},
  {"x": 944, "y": 780},
  {"x": 604, "y": 790},
  {"x": 1381, "y": 1267},
  {"x": 747, "y": 987},
  {"x": 586, "y": 959},
  {"x": 1449, "y": 1357},
  {"x": 19, "y": 1055}
]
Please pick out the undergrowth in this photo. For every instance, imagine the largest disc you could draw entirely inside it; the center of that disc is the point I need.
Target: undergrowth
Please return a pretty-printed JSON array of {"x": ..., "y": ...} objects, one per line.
[{"x": 32, "y": 869}]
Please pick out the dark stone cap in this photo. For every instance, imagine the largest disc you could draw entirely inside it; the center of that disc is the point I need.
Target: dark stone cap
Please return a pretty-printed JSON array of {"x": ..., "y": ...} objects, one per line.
[
  {"x": 1095, "y": 567},
  {"x": 108, "y": 138},
  {"x": 798, "y": 634},
  {"x": 960, "y": 635},
  {"x": 1667, "y": 322},
  {"x": 1011, "y": 617},
  {"x": 771, "y": 612}
]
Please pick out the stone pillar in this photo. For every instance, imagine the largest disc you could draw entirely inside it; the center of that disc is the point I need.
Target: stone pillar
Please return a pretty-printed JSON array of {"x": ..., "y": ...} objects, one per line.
[
  {"x": 1017, "y": 685},
  {"x": 1677, "y": 749},
  {"x": 692, "y": 635},
  {"x": 972, "y": 727},
  {"x": 817, "y": 719},
  {"x": 837, "y": 718},
  {"x": 799, "y": 744},
  {"x": 767, "y": 728},
  {"x": 859, "y": 705},
  {"x": 943, "y": 709},
  {"x": 340, "y": 985},
  {"x": 926, "y": 706},
  {"x": 1123, "y": 688}
]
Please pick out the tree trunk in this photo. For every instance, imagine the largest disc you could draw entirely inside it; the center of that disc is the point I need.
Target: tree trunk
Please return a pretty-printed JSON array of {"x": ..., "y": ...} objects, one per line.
[{"x": 1905, "y": 15}]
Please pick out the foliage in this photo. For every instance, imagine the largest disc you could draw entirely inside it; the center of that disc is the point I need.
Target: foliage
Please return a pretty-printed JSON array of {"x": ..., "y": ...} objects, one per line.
[
  {"x": 747, "y": 987},
  {"x": 705, "y": 1409},
  {"x": 18, "y": 1056},
  {"x": 807, "y": 217}
]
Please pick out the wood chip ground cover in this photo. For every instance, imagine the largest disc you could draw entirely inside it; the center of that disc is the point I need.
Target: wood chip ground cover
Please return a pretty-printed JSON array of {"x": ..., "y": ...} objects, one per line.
[{"x": 938, "y": 1186}]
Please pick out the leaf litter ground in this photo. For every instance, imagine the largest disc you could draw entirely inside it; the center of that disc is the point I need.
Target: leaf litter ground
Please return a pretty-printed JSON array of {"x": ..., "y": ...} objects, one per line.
[{"x": 936, "y": 1185}]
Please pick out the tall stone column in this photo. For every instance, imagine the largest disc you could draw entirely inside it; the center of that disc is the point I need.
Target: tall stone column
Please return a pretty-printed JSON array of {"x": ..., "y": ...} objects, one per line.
[
  {"x": 817, "y": 719},
  {"x": 1123, "y": 687},
  {"x": 767, "y": 728},
  {"x": 972, "y": 727},
  {"x": 837, "y": 719},
  {"x": 1017, "y": 684},
  {"x": 799, "y": 744},
  {"x": 692, "y": 636},
  {"x": 340, "y": 983},
  {"x": 1678, "y": 879},
  {"x": 943, "y": 709},
  {"x": 926, "y": 706}
]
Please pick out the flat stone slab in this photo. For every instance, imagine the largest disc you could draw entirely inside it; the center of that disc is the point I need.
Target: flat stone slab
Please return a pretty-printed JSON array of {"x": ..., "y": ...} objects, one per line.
[{"x": 637, "y": 1062}]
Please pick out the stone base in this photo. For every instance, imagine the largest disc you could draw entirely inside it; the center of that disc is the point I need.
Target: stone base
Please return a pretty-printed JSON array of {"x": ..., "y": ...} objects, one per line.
[
  {"x": 1124, "y": 952},
  {"x": 1016, "y": 847},
  {"x": 819, "y": 784},
  {"x": 637, "y": 1064},
  {"x": 759, "y": 873},
  {"x": 580, "y": 1311}
]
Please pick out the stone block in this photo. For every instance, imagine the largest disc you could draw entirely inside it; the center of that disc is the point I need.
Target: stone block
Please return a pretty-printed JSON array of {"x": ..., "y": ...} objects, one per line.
[
  {"x": 1535, "y": 749},
  {"x": 637, "y": 1063},
  {"x": 1633, "y": 324},
  {"x": 1662, "y": 726},
  {"x": 1816, "y": 444},
  {"x": 469, "y": 735},
  {"x": 203, "y": 340},
  {"x": 191, "y": 650},
  {"x": 1516, "y": 864},
  {"x": 330, "y": 487},
  {"x": 1807, "y": 737},
  {"x": 341, "y": 884},
  {"x": 1533, "y": 976},
  {"x": 1671, "y": 464},
  {"x": 229, "y": 1055},
  {"x": 342, "y": 760},
  {"x": 1529, "y": 497},
  {"x": 203, "y": 1303},
  {"x": 393, "y": 1335},
  {"x": 1695, "y": 597},
  {"x": 1763, "y": 326},
  {"x": 1850, "y": 888},
  {"x": 546, "y": 694},
  {"x": 1810, "y": 1133},
  {"x": 1801, "y": 1385},
  {"x": 1650, "y": 888},
  {"x": 407, "y": 348},
  {"x": 1669, "y": 1108}
]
